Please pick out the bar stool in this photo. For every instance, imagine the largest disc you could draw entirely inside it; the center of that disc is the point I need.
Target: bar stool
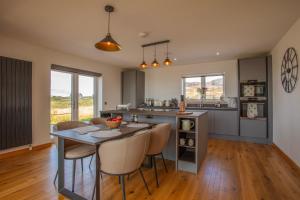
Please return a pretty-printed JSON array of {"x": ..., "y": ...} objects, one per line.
[{"x": 159, "y": 138}]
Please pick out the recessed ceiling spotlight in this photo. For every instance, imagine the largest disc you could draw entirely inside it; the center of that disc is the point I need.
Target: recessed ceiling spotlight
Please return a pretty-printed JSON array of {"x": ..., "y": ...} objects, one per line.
[
  {"x": 143, "y": 34},
  {"x": 175, "y": 59},
  {"x": 218, "y": 53}
]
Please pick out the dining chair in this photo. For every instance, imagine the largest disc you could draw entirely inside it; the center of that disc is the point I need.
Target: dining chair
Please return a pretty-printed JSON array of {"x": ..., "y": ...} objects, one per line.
[
  {"x": 124, "y": 156},
  {"x": 74, "y": 150},
  {"x": 97, "y": 121},
  {"x": 159, "y": 138}
]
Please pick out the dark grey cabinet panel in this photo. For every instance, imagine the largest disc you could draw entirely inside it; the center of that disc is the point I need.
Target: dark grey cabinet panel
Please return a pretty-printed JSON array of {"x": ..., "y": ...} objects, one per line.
[
  {"x": 223, "y": 122},
  {"x": 211, "y": 121},
  {"x": 15, "y": 103},
  {"x": 253, "y": 69},
  {"x": 133, "y": 87},
  {"x": 253, "y": 128},
  {"x": 226, "y": 122}
]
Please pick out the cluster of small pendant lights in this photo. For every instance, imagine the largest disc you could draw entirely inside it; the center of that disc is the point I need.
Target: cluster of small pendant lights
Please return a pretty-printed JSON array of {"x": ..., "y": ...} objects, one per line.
[
  {"x": 155, "y": 63},
  {"x": 109, "y": 44}
]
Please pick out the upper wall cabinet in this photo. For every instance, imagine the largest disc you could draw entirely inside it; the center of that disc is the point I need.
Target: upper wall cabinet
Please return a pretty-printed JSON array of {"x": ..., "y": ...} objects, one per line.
[
  {"x": 253, "y": 69},
  {"x": 133, "y": 87}
]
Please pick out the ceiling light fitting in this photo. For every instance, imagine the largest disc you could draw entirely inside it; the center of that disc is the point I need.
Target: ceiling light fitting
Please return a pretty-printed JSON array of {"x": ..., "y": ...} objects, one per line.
[
  {"x": 108, "y": 43},
  {"x": 155, "y": 63}
]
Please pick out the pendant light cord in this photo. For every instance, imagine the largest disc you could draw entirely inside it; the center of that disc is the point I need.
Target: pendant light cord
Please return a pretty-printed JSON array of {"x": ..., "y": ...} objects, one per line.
[
  {"x": 167, "y": 50},
  {"x": 143, "y": 54},
  {"x": 155, "y": 51},
  {"x": 108, "y": 25}
]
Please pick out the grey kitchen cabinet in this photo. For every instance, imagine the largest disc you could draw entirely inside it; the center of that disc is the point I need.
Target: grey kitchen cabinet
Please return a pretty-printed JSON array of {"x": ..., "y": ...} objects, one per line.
[
  {"x": 211, "y": 121},
  {"x": 253, "y": 128},
  {"x": 252, "y": 69},
  {"x": 223, "y": 122},
  {"x": 226, "y": 122},
  {"x": 133, "y": 87}
]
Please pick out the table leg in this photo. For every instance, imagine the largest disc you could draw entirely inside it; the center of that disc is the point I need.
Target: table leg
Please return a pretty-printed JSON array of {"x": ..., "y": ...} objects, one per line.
[
  {"x": 61, "y": 164},
  {"x": 97, "y": 174}
]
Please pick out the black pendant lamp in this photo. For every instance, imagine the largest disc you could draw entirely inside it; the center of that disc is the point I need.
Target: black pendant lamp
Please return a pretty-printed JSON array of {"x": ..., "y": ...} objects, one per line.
[
  {"x": 143, "y": 64},
  {"x": 167, "y": 61},
  {"x": 155, "y": 63},
  {"x": 108, "y": 43}
]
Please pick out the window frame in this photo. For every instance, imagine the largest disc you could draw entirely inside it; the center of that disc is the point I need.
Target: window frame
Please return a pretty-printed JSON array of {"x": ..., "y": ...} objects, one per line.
[
  {"x": 203, "y": 83},
  {"x": 75, "y": 89}
]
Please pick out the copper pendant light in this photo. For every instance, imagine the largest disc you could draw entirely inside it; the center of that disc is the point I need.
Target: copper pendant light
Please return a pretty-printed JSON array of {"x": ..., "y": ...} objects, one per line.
[
  {"x": 167, "y": 61},
  {"x": 143, "y": 64},
  {"x": 108, "y": 43},
  {"x": 155, "y": 63}
]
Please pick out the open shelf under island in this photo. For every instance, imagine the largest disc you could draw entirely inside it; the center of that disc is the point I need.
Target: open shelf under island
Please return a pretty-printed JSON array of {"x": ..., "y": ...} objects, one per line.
[{"x": 188, "y": 157}]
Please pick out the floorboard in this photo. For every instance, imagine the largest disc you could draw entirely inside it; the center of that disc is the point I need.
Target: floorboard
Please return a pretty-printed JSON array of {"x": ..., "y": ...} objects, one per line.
[{"x": 231, "y": 171}]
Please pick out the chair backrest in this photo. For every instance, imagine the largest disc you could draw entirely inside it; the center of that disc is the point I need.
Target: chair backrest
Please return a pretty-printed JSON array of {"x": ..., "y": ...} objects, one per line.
[
  {"x": 61, "y": 126},
  {"x": 159, "y": 138},
  {"x": 98, "y": 120},
  {"x": 123, "y": 156}
]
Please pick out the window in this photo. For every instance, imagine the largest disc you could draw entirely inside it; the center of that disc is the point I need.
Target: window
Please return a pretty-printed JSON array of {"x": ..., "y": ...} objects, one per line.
[
  {"x": 203, "y": 87},
  {"x": 74, "y": 96}
]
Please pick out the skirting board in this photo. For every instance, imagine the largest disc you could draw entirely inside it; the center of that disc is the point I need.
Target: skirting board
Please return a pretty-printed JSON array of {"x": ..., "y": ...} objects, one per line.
[
  {"x": 286, "y": 157},
  {"x": 240, "y": 138},
  {"x": 24, "y": 150}
]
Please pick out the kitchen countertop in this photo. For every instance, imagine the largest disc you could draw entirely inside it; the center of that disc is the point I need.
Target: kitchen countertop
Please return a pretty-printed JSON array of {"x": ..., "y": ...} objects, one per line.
[
  {"x": 193, "y": 108},
  {"x": 154, "y": 112}
]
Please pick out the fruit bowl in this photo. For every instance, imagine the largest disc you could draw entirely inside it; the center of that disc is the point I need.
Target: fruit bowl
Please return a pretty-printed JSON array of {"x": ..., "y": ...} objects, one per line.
[{"x": 114, "y": 122}]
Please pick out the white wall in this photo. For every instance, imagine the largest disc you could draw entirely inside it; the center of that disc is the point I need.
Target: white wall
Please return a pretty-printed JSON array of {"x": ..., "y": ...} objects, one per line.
[
  {"x": 286, "y": 107},
  {"x": 42, "y": 59},
  {"x": 165, "y": 82}
]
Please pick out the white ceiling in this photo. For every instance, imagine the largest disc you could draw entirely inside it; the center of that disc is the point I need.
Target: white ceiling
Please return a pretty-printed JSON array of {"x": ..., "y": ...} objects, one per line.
[{"x": 197, "y": 28}]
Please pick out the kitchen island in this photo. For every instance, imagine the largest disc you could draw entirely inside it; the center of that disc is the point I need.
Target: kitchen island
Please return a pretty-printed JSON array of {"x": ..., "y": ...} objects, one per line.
[{"x": 190, "y": 152}]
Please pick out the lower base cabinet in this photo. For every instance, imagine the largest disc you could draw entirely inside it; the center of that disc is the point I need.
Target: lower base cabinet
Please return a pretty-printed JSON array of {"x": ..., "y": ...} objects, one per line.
[
  {"x": 223, "y": 122},
  {"x": 253, "y": 128}
]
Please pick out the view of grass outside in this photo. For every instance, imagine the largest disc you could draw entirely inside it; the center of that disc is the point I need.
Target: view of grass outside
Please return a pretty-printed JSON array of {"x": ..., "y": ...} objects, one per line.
[
  {"x": 61, "y": 102},
  {"x": 61, "y": 109}
]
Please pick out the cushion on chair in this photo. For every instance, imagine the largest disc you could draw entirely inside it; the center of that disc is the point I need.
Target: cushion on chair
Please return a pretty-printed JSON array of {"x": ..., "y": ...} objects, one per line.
[{"x": 79, "y": 151}]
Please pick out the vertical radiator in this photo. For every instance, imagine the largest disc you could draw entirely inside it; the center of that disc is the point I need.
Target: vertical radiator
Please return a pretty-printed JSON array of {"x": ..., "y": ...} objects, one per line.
[{"x": 15, "y": 103}]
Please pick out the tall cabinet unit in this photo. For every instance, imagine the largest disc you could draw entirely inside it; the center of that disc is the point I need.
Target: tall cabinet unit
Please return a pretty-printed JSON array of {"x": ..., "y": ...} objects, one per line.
[
  {"x": 133, "y": 87},
  {"x": 255, "y": 99}
]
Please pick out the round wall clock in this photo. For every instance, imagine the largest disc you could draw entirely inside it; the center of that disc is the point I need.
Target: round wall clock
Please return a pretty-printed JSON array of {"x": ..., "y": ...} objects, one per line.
[{"x": 289, "y": 70}]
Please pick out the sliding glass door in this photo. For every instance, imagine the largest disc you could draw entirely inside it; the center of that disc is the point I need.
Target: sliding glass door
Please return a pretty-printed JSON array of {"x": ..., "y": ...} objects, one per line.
[
  {"x": 73, "y": 96},
  {"x": 61, "y": 97},
  {"x": 86, "y": 96}
]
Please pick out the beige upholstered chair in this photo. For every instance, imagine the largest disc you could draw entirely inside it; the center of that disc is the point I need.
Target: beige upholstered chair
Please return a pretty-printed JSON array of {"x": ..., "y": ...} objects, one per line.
[
  {"x": 97, "y": 120},
  {"x": 159, "y": 139},
  {"x": 124, "y": 156},
  {"x": 74, "y": 150}
]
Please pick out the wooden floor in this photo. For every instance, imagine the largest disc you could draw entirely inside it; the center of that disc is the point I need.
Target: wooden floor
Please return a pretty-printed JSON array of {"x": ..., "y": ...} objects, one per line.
[{"x": 232, "y": 170}]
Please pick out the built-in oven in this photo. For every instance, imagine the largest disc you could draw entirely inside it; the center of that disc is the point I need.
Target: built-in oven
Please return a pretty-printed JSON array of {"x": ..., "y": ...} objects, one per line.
[
  {"x": 253, "y": 107},
  {"x": 253, "y": 88}
]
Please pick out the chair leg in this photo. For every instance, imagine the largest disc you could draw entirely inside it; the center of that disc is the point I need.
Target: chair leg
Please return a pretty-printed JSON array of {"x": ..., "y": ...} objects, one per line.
[
  {"x": 162, "y": 155},
  {"x": 91, "y": 161},
  {"x": 74, "y": 170},
  {"x": 123, "y": 188},
  {"x": 81, "y": 164},
  {"x": 55, "y": 177},
  {"x": 155, "y": 170},
  {"x": 94, "y": 190},
  {"x": 145, "y": 183}
]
